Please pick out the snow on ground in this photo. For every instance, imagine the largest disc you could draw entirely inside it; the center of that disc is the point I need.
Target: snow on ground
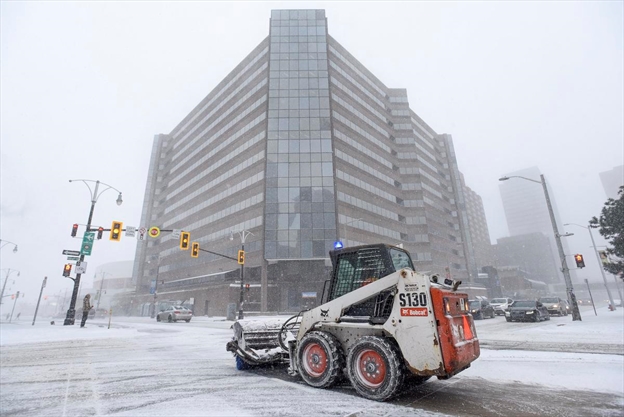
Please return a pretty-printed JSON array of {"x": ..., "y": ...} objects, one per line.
[{"x": 206, "y": 337}]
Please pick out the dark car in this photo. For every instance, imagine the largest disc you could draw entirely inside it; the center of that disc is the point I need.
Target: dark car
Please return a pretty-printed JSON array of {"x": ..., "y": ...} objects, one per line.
[
  {"x": 481, "y": 309},
  {"x": 555, "y": 305},
  {"x": 527, "y": 310}
]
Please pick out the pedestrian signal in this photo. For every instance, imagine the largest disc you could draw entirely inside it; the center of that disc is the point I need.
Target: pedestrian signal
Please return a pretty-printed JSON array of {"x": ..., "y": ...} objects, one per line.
[
  {"x": 115, "y": 233},
  {"x": 580, "y": 263},
  {"x": 241, "y": 257},
  {"x": 195, "y": 250},
  {"x": 67, "y": 270},
  {"x": 185, "y": 238}
]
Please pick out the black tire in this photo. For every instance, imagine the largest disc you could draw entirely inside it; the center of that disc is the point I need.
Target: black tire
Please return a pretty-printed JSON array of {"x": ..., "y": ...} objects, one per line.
[
  {"x": 320, "y": 359},
  {"x": 547, "y": 317},
  {"x": 157, "y": 317},
  {"x": 375, "y": 368},
  {"x": 508, "y": 319},
  {"x": 170, "y": 318},
  {"x": 188, "y": 320}
]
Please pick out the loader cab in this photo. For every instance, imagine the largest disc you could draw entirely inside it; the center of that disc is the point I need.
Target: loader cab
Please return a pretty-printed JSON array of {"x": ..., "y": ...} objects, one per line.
[{"x": 357, "y": 266}]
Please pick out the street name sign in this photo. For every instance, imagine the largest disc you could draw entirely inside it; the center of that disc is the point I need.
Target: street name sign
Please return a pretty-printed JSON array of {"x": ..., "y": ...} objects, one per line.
[
  {"x": 130, "y": 231},
  {"x": 73, "y": 258},
  {"x": 71, "y": 252}
]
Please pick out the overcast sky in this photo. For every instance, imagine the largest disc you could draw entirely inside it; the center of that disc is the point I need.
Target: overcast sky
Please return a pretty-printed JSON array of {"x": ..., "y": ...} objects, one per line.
[{"x": 86, "y": 86}]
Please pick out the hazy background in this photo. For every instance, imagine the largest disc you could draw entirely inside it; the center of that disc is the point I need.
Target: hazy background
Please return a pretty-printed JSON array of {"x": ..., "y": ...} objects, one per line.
[{"x": 85, "y": 86}]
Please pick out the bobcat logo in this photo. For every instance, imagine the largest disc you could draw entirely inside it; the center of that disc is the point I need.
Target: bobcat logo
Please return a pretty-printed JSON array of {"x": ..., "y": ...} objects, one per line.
[{"x": 324, "y": 312}]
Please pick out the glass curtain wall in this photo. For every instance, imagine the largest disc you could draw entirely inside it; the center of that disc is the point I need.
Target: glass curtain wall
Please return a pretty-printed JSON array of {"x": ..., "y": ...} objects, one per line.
[{"x": 300, "y": 199}]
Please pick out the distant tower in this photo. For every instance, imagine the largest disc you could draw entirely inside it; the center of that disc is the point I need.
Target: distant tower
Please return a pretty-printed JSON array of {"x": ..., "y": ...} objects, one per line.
[
  {"x": 612, "y": 181},
  {"x": 526, "y": 211}
]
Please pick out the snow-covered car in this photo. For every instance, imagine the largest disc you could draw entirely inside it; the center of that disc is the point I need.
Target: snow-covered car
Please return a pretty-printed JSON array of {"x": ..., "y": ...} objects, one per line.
[
  {"x": 500, "y": 305},
  {"x": 174, "y": 313},
  {"x": 527, "y": 310},
  {"x": 481, "y": 309},
  {"x": 554, "y": 305}
]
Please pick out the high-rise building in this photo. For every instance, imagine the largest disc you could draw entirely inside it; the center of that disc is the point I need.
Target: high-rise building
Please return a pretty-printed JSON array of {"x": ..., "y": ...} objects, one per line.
[
  {"x": 299, "y": 146},
  {"x": 526, "y": 211},
  {"x": 612, "y": 180},
  {"x": 477, "y": 222}
]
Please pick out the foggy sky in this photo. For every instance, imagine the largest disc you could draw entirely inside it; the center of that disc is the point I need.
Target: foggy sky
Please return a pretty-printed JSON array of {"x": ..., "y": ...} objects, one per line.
[{"x": 86, "y": 86}]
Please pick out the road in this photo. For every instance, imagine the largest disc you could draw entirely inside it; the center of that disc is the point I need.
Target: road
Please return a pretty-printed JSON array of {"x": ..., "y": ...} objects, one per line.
[{"x": 182, "y": 369}]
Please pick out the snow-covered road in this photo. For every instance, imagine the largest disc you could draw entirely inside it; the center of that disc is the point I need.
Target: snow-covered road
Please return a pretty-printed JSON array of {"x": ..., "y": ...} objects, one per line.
[{"x": 142, "y": 368}]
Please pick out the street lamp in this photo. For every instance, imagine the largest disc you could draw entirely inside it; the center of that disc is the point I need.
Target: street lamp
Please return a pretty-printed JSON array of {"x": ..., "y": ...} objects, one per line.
[
  {"x": 71, "y": 312},
  {"x": 8, "y": 242},
  {"x": 9, "y": 270},
  {"x": 243, "y": 235},
  {"x": 604, "y": 278},
  {"x": 155, "y": 287},
  {"x": 576, "y": 314}
]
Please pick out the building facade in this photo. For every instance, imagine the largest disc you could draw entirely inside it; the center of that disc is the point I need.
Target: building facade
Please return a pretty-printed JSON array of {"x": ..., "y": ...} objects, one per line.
[
  {"x": 612, "y": 180},
  {"x": 298, "y": 147}
]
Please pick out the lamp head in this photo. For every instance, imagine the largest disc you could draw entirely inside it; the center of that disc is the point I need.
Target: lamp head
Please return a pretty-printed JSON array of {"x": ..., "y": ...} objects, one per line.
[
  {"x": 231, "y": 235},
  {"x": 503, "y": 178},
  {"x": 15, "y": 249},
  {"x": 119, "y": 200}
]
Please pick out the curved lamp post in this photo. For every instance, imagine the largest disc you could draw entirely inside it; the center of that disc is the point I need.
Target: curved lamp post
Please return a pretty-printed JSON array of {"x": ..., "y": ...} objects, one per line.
[
  {"x": 243, "y": 235},
  {"x": 9, "y": 270},
  {"x": 3, "y": 243},
  {"x": 95, "y": 194},
  {"x": 576, "y": 314},
  {"x": 604, "y": 278}
]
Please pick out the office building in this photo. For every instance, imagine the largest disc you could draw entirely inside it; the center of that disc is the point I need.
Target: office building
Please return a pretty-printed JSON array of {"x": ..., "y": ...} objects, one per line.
[
  {"x": 612, "y": 180},
  {"x": 298, "y": 147}
]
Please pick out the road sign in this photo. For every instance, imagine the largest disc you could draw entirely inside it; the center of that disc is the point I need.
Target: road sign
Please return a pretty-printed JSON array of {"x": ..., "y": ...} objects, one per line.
[
  {"x": 73, "y": 258},
  {"x": 154, "y": 231},
  {"x": 130, "y": 231},
  {"x": 87, "y": 243},
  {"x": 142, "y": 232},
  {"x": 81, "y": 267},
  {"x": 71, "y": 252},
  {"x": 176, "y": 233}
]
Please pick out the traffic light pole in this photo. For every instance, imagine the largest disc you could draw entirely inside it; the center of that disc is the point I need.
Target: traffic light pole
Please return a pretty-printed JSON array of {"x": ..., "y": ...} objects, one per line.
[
  {"x": 576, "y": 314},
  {"x": 70, "y": 318},
  {"x": 71, "y": 312}
]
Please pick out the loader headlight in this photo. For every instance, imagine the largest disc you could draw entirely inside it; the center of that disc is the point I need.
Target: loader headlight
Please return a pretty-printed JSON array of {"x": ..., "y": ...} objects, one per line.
[{"x": 529, "y": 312}]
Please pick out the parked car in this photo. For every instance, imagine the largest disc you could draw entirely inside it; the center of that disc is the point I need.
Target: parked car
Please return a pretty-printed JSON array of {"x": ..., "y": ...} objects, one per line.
[
  {"x": 481, "y": 309},
  {"x": 555, "y": 305},
  {"x": 527, "y": 310},
  {"x": 174, "y": 313},
  {"x": 500, "y": 305}
]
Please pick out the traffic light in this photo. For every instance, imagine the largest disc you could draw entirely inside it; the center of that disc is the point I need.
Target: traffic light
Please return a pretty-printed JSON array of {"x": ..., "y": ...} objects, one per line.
[
  {"x": 74, "y": 230},
  {"x": 241, "y": 257},
  {"x": 100, "y": 231},
  {"x": 67, "y": 270},
  {"x": 580, "y": 263},
  {"x": 185, "y": 238},
  {"x": 195, "y": 250},
  {"x": 115, "y": 233}
]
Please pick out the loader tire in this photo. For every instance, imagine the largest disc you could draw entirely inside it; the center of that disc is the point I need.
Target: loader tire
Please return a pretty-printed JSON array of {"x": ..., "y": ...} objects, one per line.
[
  {"x": 375, "y": 368},
  {"x": 320, "y": 358}
]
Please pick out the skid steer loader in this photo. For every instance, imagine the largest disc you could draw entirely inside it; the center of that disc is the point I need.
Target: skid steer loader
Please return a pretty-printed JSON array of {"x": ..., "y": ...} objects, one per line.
[{"x": 382, "y": 323}]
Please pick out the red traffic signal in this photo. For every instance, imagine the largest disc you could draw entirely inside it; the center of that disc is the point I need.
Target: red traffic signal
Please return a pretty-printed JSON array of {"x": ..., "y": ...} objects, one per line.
[
  {"x": 100, "y": 231},
  {"x": 74, "y": 230},
  {"x": 67, "y": 270},
  {"x": 580, "y": 263}
]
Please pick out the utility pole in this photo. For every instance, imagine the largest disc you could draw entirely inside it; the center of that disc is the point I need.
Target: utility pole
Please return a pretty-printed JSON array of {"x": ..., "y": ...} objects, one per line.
[{"x": 43, "y": 284}]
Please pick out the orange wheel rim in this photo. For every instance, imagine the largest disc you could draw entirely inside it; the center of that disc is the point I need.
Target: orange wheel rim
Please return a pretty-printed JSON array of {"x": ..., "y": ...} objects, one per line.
[
  {"x": 314, "y": 359},
  {"x": 371, "y": 368}
]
